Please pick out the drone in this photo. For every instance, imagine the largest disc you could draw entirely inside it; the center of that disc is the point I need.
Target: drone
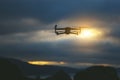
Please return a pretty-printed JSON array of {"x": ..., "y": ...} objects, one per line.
[{"x": 67, "y": 30}]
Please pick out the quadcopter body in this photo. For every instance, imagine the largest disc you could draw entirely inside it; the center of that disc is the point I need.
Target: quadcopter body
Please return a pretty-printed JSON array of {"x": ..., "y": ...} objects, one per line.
[{"x": 67, "y": 30}]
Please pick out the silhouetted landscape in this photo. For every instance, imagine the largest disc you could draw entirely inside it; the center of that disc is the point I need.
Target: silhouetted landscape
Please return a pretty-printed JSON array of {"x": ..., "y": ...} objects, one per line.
[{"x": 14, "y": 69}]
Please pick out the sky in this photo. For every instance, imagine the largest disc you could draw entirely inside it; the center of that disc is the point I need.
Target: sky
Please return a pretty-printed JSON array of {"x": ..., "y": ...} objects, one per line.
[{"x": 27, "y": 31}]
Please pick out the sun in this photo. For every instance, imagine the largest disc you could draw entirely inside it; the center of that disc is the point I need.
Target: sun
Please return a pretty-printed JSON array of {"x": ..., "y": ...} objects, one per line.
[
  {"x": 89, "y": 33},
  {"x": 86, "y": 33}
]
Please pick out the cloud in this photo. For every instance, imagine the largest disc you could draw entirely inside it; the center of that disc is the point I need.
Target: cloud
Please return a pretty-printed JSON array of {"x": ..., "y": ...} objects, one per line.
[
  {"x": 16, "y": 16},
  {"x": 43, "y": 46},
  {"x": 26, "y": 30},
  {"x": 19, "y": 26}
]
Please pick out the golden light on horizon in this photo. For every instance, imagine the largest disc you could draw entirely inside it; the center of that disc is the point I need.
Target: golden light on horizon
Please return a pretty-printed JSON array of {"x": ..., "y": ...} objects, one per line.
[{"x": 46, "y": 63}]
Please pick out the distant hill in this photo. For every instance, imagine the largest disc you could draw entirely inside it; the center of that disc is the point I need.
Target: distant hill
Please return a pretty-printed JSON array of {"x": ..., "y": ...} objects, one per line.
[
  {"x": 12, "y": 69},
  {"x": 29, "y": 69},
  {"x": 97, "y": 73},
  {"x": 118, "y": 70}
]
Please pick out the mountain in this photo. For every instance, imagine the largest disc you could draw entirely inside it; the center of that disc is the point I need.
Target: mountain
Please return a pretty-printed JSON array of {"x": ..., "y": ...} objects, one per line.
[
  {"x": 9, "y": 70},
  {"x": 29, "y": 69},
  {"x": 118, "y": 71},
  {"x": 97, "y": 73}
]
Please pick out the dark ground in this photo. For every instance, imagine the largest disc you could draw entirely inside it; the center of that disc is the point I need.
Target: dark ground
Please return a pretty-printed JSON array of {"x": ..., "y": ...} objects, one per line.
[{"x": 11, "y": 71}]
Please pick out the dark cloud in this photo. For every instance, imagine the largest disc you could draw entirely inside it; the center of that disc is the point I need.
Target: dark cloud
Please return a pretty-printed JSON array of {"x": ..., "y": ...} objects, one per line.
[
  {"x": 63, "y": 51},
  {"x": 115, "y": 32},
  {"x": 48, "y": 12}
]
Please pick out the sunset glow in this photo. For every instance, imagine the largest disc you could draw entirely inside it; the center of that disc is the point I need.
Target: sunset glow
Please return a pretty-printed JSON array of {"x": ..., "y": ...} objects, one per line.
[
  {"x": 90, "y": 33},
  {"x": 46, "y": 63}
]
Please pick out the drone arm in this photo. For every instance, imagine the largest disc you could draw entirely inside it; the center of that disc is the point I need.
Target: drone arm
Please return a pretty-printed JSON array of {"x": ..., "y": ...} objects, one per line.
[
  {"x": 76, "y": 32},
  {"x": 75, "y": 28},
  {"x": 59, "y": 28},
  {"x": 60, "y": 33}
]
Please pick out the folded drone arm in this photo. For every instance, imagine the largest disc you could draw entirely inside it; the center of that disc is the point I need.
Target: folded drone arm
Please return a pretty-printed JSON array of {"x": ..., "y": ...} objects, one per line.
[
  {"x": 59, "y": 28},
  {"x": 75, "y": 28},
  {"x": 59, "y": 32},
  {"x": 75, "y": 32}
]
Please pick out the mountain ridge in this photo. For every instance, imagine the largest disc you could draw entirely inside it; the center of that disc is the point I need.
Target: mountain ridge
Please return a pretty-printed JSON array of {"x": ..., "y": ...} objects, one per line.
[{"x": 30, "y": 69}]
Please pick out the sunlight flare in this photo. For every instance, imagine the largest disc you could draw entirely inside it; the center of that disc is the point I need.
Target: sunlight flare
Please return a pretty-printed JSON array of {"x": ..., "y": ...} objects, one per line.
[{"x": 90, "y": 33}]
